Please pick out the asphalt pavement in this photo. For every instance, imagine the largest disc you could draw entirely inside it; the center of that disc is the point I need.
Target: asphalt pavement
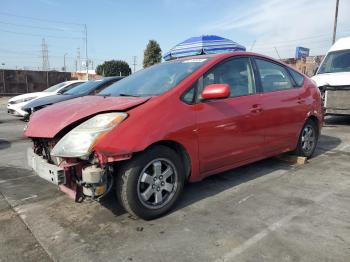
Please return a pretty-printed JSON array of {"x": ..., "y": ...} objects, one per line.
[{"x": 267, "y": 211}]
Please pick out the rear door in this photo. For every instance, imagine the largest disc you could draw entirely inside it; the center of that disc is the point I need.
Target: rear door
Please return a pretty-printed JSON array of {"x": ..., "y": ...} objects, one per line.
[
  {"x": 229, "y": 130},
  {"x": 284, "y": 106}
]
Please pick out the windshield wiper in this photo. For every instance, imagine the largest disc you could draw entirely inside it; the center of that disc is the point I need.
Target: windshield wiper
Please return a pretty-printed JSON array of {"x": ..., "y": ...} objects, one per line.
[
  {"x": 104, "y": 95},
  {"x": 128, "y": 95}
]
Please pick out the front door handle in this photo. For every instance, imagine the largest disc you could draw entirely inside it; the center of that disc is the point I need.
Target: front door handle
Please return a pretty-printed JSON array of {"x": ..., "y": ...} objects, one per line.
[
  {"x": 256, "y": 109},
  {"x": 300, "y": 100}
]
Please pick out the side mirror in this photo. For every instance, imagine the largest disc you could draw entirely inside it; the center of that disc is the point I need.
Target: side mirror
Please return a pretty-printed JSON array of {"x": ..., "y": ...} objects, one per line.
[
  {"x": 315, "y": 71},
  {"x": 216, "y": 91}
]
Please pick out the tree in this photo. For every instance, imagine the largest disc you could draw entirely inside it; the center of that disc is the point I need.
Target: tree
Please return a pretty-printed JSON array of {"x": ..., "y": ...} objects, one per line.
[
  {"x": 152, "y": 54},
  {"x": 114, "y": 68}
]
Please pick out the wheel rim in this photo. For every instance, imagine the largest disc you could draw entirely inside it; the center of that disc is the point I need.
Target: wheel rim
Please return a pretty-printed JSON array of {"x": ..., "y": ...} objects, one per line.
[
  {"x": 157, "y": 183},
  {"x": 308, "y": 139}
]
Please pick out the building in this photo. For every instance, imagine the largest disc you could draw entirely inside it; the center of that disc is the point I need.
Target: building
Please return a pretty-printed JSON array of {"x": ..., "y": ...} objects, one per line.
[{"x": 307, "y": 65}]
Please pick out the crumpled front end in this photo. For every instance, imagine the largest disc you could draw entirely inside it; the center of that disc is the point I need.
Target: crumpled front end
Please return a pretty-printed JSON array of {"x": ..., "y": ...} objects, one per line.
[{"x": 76, "y": 177}]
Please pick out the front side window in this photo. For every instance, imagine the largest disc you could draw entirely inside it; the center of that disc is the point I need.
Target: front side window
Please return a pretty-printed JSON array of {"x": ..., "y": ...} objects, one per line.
[
  {"x": 273, "y": 76},
  {"x": 236, "y": 72},
  {"x": 338, "y": 61}
]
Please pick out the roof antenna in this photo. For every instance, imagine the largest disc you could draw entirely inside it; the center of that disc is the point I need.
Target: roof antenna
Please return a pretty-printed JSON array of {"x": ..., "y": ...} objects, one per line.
[{"x": 253, "y": 44}]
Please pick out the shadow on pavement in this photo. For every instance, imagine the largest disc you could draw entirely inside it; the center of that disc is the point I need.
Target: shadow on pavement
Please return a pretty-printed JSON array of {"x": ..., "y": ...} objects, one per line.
[
  {"x": 325, "y": 144},
  {"x": 218, "y": 183},
  {"x": 210, "y": 186},
  {"x": 4, "y": 144},
  {"x": 337, "y": 120}
]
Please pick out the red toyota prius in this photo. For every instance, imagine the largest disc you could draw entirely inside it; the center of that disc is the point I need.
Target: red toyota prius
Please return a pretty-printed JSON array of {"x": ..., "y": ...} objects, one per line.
[{"x": 177, "y": 121}]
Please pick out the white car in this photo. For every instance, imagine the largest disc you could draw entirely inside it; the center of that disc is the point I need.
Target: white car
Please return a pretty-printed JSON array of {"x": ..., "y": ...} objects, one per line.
[
  {"x": 15, "y": 104},
  {"x": 333, "y": 78}
]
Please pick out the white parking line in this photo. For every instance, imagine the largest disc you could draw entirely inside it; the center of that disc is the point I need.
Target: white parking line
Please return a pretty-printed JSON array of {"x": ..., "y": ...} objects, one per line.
[
  {"x": 17, "y": 178},
  {"x": 273, "y": 227}
]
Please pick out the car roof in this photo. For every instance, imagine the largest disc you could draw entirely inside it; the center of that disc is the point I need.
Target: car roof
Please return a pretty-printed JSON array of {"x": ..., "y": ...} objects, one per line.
[
  {"x": 221, "y": 56},
  {"x": 341, "y": 44}
]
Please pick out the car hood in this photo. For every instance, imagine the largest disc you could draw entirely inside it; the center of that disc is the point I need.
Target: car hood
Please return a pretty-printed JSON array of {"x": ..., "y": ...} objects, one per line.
[
  {"x": 48, "y": 122},
  {"x": 48, "y": 100},
  {"x": 35, "y": 94},
  {"x": 332, "y": 79}
]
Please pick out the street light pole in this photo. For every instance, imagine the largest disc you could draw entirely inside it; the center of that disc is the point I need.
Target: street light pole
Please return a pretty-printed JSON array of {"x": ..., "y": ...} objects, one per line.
[
  {"x": 86, "y": 54},
  {"x": 335, "y": 21},
  {"x": 64, "y": 62}
]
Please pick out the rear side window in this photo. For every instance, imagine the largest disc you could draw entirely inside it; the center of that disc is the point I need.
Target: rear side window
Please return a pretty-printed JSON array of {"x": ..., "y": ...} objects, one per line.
[
  {"x": 298, "y": 78},
  {"x": 237, "y": 73},
  {"x": 273, "y": 76}
]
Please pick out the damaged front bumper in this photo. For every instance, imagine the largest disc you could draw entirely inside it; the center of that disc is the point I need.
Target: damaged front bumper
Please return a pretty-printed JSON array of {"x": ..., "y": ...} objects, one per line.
[
  {"x": 78, "y": 179},
  {"x": 45, "y": 170}
]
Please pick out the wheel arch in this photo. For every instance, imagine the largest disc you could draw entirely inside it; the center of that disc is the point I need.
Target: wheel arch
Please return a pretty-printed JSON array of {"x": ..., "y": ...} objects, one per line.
[
  {"x": 316, "y": 121},
  {"x": 180, "y": 150}
]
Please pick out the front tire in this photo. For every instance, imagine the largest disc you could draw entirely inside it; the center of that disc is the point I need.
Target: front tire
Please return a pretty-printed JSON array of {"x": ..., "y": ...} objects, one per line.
[
  {"x": 308, "y": 139},
  {"x": 149, "y": 184}
]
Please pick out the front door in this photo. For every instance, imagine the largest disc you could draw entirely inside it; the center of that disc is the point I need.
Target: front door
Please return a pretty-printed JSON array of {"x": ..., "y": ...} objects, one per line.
[{"x": 229, "y": 130}]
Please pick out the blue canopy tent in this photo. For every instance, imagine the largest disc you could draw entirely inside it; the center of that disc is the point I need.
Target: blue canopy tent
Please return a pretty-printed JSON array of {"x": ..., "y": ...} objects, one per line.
[{"x": 206, "y": 44}]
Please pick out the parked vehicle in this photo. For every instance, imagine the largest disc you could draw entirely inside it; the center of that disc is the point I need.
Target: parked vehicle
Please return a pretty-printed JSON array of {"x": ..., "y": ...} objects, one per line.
[
  {"x": 173, "y": 122},
  {"x": 333, "y": 78},
  {"x": 88, "y": 88},
  {"x": 15, "y": 104}
]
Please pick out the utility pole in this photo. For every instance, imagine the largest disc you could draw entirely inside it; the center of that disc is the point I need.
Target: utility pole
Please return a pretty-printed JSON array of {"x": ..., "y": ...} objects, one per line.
[
  {"x": 335, "y": 21},
  {"x": 78, "y": 62},
  {"x": 277, "y": 52},
  {"x": 3, "y": 77},
  {"x": 86, "y": 54},
  {"x": 134, "y": 63},
  {"x": 64, "y": 62}
]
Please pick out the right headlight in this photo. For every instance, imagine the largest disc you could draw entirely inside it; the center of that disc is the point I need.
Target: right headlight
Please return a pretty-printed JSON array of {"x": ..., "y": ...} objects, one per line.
[{"x": 80, "y": 140}]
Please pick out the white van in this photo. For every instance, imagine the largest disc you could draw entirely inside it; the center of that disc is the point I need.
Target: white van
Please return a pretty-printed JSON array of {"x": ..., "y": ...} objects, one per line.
[{"x": 333, "y": 78}]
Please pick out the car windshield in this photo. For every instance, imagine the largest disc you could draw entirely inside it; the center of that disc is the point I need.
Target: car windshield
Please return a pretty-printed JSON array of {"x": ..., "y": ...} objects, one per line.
[
  {"x": 55, "y": 87},
  {"x": 338, "y": 61},
  {"x": 155, "y": 80},
  {"x": 84, "y": 88}
]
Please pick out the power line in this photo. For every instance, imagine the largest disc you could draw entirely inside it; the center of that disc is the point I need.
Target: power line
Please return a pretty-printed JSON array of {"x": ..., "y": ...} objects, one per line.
[
  {"x": 40, "y": 35},
  {"x": 301, "y": 39},
  {"x": 40, "y": 19},
  {"x": 39, "y": 27}
]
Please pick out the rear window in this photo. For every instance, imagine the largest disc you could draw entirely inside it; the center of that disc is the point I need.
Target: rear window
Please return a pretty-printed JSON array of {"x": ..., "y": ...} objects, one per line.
[{"x": 298, "y": 78}]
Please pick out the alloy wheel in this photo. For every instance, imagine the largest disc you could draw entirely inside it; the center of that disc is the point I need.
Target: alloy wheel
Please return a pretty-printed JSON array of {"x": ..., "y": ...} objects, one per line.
[
  {"x": 157, "y": 183},
  {"x": 308, "y": 139}
]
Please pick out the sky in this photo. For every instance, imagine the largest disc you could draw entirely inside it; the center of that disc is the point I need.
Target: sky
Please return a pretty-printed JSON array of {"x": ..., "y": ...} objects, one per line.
[{"x": 121, "y": 29}]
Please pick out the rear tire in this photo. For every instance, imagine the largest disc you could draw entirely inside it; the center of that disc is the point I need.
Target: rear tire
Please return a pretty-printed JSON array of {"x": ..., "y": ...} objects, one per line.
[
  {"x": 308, "y": 139},
  {"x": 149, "y": 184}
]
